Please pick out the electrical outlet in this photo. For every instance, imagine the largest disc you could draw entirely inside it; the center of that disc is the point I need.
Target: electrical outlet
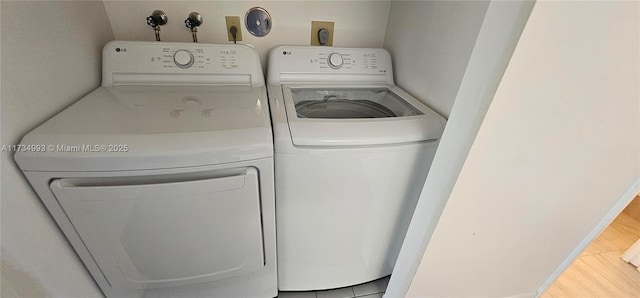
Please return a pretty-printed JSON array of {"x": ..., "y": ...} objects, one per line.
[
  {"x": 234, "y": 21},
  {"x": 315, "y": 27}
]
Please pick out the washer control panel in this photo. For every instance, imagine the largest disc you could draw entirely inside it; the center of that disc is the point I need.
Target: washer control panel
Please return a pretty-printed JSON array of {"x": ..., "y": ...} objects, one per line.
[
  {"x": 123, "y": 61},
  {"x": 354, "y": 63},
  {"x": 358, "y": 62}
]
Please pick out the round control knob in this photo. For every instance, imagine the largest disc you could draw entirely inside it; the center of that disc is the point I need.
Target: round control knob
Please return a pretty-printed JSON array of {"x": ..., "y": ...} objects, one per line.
[
  {"x": 335, "y": 60},
  {"x": 183, "y": 58}
]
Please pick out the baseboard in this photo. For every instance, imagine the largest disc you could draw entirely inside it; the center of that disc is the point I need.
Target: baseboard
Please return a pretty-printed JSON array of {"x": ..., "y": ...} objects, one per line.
[{"x": 633, "y": 209}]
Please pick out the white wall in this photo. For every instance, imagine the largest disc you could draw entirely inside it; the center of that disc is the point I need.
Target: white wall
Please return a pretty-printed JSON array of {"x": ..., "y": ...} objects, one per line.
[
  {"x": 431, "y": 42},
  {"x": 557, "y": 152},
  {"x": 51, "y": 56},
  {"x": 497, "y": 39},
  {"x": 357, "y": 23}
]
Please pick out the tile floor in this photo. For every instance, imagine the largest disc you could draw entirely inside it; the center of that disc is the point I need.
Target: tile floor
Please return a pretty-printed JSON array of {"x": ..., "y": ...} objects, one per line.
[{"x": 373, "y": 289}]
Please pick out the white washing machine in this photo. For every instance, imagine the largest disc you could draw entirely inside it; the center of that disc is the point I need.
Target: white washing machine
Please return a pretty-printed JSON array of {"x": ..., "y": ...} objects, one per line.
[
  {"x": 352, "y": 152},
  {"x": 162, "y": 178}
]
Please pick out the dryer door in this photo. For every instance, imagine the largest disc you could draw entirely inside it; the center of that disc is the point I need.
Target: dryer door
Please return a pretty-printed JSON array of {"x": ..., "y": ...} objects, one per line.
[{"x": 147, "y": 232}]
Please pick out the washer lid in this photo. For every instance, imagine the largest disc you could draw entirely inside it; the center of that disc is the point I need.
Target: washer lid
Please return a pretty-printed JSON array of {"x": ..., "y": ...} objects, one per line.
[
  {"x": 357, "y": 116},
  {"x": 153, "y": 127},
  {"x": 350, "y": 103}
]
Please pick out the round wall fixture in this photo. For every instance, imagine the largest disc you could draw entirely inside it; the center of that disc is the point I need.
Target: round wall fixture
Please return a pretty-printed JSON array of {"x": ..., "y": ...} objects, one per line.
[{"x": 258, "y": 21}]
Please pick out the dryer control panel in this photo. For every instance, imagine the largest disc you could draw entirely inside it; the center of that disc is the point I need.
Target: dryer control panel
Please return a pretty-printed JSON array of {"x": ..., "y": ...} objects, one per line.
[
  {"x": 148, "y": 63},
  {"x": 319, "y": 64}
]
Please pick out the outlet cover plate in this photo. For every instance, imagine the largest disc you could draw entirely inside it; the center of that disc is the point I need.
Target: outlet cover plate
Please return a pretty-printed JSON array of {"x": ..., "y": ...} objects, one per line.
[
  {"x": 317, "y": 25},
  {"x": 234, "y": 21}
]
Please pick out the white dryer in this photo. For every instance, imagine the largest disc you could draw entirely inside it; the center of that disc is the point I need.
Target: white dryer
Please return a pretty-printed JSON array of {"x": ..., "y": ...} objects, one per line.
[
  {"x": 352, "y": 152},
  {"x": 162, "y": 178}
]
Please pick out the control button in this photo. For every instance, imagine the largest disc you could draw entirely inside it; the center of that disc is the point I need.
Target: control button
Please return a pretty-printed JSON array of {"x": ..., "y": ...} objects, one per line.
[
  {"x": 192, "y": 102},
  {"x": 335, "y": 60},
  {"x": 183, "y": 58}
]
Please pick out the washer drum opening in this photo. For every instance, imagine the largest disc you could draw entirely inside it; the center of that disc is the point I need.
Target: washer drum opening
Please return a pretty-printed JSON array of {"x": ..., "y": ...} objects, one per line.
[{"x": 341, "y": 109}]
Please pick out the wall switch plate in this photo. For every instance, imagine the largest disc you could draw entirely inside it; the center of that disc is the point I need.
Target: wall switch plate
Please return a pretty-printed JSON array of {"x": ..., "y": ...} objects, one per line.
[
  {"x": 315, "y": 27},
  {"x": 234, "y": 21}
]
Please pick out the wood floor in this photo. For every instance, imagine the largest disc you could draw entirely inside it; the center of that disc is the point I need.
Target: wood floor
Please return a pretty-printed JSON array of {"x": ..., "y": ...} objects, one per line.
[{"x": 599, "y": 271}]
